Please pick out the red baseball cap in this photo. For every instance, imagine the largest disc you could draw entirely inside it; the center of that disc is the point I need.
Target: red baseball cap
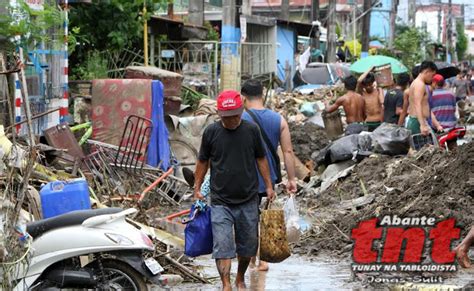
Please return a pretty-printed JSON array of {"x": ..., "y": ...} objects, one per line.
[
  {"x": 229, "y": 103},
  {"x": 438, "y": 78}
]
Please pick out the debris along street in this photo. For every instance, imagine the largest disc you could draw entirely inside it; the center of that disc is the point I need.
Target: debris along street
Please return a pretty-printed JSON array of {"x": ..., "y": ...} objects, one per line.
[{"x": 148, "y": 147}]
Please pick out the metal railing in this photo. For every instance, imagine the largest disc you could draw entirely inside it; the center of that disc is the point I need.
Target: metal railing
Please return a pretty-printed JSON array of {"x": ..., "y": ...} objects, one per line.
[{"x": 197, "y": 61}]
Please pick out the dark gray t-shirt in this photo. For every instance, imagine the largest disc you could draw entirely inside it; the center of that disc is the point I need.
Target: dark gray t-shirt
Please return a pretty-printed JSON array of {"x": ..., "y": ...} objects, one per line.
[
  {"x": 393, "y": 99},
  {"x": 232, "y": 155},
  {"x": 461, "y": 87}
]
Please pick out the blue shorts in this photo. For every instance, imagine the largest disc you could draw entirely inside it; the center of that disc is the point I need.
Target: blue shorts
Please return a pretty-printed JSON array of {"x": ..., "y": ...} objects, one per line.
[{"x": 235, "y": 230}]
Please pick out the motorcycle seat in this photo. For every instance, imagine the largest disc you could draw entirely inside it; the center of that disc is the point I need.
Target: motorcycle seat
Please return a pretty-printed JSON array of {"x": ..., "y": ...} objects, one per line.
[{"x": 37, "y": 228}]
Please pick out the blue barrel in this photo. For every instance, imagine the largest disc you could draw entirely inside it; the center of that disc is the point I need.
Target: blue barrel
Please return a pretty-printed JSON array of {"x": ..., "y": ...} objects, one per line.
[{"x": 60, "y": 197}]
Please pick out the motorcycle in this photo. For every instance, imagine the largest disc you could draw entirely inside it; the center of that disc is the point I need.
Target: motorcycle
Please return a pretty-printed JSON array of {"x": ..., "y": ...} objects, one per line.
[
  {"x": 448, "y": 140},
  {"x": 95, "y": 249}
]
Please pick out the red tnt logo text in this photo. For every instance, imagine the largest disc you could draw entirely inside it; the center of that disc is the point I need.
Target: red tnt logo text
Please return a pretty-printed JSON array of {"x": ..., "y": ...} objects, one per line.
[{"x": 415, "y": 237}]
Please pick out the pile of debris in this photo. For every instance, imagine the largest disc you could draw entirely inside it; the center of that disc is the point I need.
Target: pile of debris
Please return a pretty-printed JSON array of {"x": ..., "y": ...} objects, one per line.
[
  {"x": 308, "y": 139},
  {"x": 289, "y": 104},
  {"x": 432, "y": 183}
]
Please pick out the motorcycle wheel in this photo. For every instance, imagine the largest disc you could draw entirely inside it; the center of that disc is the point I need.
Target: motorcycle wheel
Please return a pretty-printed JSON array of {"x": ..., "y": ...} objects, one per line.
[{"x": 120, "y": 276}]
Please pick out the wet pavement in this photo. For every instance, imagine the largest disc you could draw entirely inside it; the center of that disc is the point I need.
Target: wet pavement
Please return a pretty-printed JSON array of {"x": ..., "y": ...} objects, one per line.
[
  {"x": 322, "y": 273},
  {"x": 295, "y": 273}
]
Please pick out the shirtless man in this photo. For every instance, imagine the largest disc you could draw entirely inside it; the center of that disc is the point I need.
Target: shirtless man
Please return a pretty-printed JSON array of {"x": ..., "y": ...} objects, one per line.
[
  {"x": 352, "y": 102},
  {"x": 373, "y": 98},
  {"x": 419, "y": 113}
]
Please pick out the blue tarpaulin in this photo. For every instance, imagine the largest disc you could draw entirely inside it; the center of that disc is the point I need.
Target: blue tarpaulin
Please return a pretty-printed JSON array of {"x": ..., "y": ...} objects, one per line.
[{"x": 159, "y": 148}]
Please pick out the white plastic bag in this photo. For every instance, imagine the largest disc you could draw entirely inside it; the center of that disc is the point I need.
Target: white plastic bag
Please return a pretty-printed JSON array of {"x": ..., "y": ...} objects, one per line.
[{"x": 292, "y": 220}]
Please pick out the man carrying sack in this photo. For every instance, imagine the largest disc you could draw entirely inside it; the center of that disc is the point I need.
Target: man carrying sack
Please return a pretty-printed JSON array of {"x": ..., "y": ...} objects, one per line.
[
  {"x": 231, "y": 147},
  {"x": 275, "y": 131}
]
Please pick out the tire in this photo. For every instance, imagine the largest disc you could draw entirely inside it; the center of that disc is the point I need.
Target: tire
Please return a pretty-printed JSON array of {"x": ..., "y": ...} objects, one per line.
[{"x": 132, "y": 280}]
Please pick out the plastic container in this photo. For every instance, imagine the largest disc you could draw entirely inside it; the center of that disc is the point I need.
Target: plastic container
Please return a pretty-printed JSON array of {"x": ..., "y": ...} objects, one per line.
[{"x": 60, "y": 197}]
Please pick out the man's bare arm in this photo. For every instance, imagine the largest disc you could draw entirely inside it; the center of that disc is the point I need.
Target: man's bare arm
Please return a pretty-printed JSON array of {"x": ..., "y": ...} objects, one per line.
[
  {"x": 288, "y": 155},
  {"x": 403, "y": 114},
  {"x": 399, "y": 112},
  {"x": 199, "y": 174},
  {"x": 361, "y": 78},
  {"x": 381, "y": 101},
  {"x": 435, "y": 122},
  {"x": 336, "y": 105}
]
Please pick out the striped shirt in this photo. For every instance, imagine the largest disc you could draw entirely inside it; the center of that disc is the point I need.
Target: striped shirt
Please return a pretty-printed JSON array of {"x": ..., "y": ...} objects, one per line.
[{"x": 443, "y": 105}]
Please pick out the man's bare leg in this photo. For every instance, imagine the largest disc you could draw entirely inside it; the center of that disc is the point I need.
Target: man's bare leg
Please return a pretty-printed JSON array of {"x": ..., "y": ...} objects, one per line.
[
  {"x": 223, "y": 266},
  {"x": 262, "y": 265},
  {"x": 253, "y": 263},
  {"x": 463, "y": 248},
  {"x": 242, "y": 268}
]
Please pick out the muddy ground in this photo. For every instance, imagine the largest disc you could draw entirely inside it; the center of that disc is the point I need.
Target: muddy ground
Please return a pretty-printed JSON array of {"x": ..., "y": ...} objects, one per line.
[
  {"x": 431, "y": 183},
  {"x": 307, "y": 139}
]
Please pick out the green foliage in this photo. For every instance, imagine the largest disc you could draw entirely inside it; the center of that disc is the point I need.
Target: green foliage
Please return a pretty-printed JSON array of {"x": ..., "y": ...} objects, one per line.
[
  {"x": 338, "y": 30},
  {"x": 111, "y": 25},
  {"x": 386, "y": 52},
  {"x": 191, "y": 97},
  {"x": 461, "y": 44},
  {"x": 212, "y": 35},
  {"x": 93, "y": 67},
  {"x": 411, "y": 44},
  {"x": 25, "y": 27}
]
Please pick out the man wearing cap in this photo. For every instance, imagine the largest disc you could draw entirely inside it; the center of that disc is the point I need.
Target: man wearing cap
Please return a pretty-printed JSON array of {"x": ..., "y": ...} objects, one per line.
[
  {"x": 231, "y": 148},
  {"x": 443, "y": 103}
]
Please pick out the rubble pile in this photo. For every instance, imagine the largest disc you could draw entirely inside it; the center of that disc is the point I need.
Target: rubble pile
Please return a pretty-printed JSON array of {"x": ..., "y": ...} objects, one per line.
[
  {"x": 308, "y": 139},
  {"x": 432, "y": 183},
  {"x": 288, "y": 104}
]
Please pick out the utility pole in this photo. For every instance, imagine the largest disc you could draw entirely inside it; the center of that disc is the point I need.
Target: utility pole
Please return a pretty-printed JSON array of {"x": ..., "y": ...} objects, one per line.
[
  {"x": 315, "y": 17},
  {"x": 145, "y": 35},
  {"x": 366, "y": 28},
  {"x": 450, "y": 33},
  {"x": 230, "y": 53},
  {"x": 331, "y": 48},
  {"x": 285, "y": 10},
  {"x": 354, "y": 35},
  {"x": 393, "y": 18},
  {"x": 439, "y": 23}
]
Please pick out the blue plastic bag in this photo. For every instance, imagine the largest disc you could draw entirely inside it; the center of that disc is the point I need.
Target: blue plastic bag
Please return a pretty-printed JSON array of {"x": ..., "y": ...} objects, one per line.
[{"x": 198, "y": 232}]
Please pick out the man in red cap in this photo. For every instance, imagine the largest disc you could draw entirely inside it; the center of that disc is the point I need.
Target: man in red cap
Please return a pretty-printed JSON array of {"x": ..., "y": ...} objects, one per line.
[
  {"x": 443, "y": 103},
  {"x": 231, "y": 148}
]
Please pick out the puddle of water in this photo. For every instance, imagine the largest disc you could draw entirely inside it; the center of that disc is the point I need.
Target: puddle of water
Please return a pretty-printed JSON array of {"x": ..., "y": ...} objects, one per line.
[{"x": 295, "y": 273}]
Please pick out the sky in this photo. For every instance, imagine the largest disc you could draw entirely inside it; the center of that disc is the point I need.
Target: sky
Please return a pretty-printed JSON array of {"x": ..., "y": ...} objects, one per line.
[{"x": 468, "y": 12}]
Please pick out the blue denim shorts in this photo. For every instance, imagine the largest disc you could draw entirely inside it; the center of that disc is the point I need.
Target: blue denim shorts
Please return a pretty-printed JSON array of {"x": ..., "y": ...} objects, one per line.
[{"x": 235, "y": 229}]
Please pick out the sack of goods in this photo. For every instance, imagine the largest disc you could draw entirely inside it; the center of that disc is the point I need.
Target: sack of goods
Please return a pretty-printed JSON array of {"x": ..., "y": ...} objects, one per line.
[
  {"x": 198, "y": 232},
  {"x": 274, "y": 246}
]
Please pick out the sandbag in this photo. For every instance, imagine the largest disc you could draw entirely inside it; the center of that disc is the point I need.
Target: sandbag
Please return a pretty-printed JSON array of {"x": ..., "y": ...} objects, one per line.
[
  {"x": 274, "y": 246},
  {"x": 391, "y": 139}
]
